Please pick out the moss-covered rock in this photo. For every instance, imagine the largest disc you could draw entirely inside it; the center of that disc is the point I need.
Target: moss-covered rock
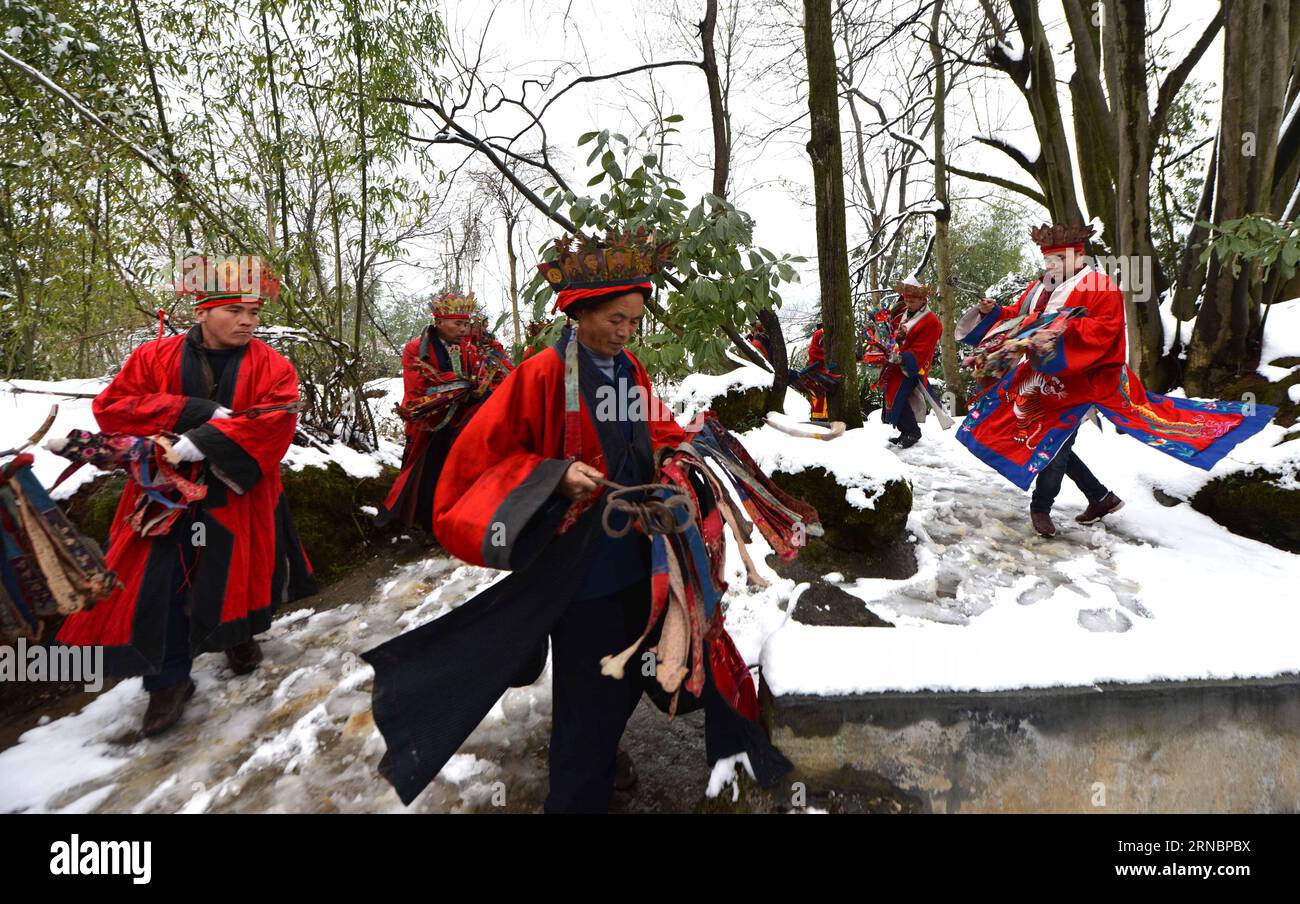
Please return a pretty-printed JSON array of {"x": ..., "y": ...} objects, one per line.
[
  {"x": 848, "y": 528},
  {"x": 1254, "y": 505},
  {"x": 326, "y": 505},
  {"x": 92, "y": 507},
  {"x": 741, "y": 409}
]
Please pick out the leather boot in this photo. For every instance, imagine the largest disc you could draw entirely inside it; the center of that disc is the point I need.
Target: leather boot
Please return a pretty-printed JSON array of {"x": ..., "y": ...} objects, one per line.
[
  {"x": 244, "y": 657},
  {"x": 1100, "y": 509},
  {"x": 1043, "y": 523},
  {"x": 165, "y": 708}
]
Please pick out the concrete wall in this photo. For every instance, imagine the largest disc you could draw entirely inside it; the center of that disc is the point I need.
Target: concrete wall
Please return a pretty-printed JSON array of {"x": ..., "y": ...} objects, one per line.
[{"x": 1224, "y": 746}]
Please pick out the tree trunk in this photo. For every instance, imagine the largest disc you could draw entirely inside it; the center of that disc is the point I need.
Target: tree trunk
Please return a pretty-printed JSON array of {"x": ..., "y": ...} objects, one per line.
[
  {"x": 721, "y": 142},
  {"x": 942, "y": 246},
  {"x": 1053, "y": 169},
  {"x": 1126, "y": 21},
  {"x": 168, "y": 147},
  {"x": 828, "y": 189},
  {"x": 780, "y": 359},
  {"x": 279, "y": 141},
  {"x": 1259, "y": 50},
  {"x": 513, "y": 260},
  {"x": 361, "y": 138},
  {"x": 1094, "y": 126}
]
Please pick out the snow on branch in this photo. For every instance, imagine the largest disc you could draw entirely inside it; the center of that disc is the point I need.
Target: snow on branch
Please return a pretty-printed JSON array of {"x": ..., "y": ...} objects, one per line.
[{"x": 1028, "y": 160}]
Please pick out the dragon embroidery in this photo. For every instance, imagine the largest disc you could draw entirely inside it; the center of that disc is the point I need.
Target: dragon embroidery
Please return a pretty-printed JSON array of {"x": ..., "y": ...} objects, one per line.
[{"x": 1027, "y": 405}]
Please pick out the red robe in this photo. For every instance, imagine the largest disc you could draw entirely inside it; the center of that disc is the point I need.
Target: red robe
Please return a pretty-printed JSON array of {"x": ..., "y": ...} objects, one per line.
[
  {"x": 510, "y": 458},
  {"x": 1017, "y": 425},
  {"x": 919, "y": 341},
  {"x": 815, "y": 353},
  {"x": 252, "y": 559},
  {"x": 497, "y": 505},
  {"x": 411, "y": 495}
]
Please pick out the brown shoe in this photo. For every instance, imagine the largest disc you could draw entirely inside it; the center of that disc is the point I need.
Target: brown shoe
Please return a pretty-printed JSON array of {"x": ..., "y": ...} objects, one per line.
[
  {"x": 1104, "y": 506},
  {"x": 1043, "y": 523},
  {"x": 625, "y": 777},
  {"x": 244, "y": 657},
  {"x": 165, "y": 708}
]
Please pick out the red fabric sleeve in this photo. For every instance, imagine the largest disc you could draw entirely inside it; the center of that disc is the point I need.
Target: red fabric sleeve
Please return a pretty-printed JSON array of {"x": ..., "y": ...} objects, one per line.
[
  {"x": 516, "y": 431},
  {"x": 922, "y": 340},
  {"x": 1093, "y": 340},
  {"x": 135, "y": 402}
]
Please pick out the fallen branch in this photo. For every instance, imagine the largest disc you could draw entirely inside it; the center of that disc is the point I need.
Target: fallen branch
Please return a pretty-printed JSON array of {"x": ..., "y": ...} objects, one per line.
[{"x": 836, "y": 430}]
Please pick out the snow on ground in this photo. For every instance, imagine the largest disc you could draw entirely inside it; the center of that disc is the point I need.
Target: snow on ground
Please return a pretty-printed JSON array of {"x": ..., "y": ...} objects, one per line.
[
  {"x": 294, "y": 736},
  {"x": 1150, "y": 593}
]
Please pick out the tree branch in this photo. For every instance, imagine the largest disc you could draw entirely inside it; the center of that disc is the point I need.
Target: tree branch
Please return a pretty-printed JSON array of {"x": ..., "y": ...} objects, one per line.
[
  {"x": 1178, "y": 75},
  {"x": 1025, "y": 190}
]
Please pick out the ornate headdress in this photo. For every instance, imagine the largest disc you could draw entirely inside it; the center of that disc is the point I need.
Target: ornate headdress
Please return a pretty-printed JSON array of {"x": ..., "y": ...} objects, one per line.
[
  {"x": 453, "y": 306},
  {"x": 213, "y": 282},
  {"x": 912, "y": 290},
  {"x": 1059, "y": 237},
  {"x": 599, "y": 268}
]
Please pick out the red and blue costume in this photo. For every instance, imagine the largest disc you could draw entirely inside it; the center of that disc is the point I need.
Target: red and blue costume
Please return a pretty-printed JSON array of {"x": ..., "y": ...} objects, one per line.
[{"x": 1021, "y": 423}]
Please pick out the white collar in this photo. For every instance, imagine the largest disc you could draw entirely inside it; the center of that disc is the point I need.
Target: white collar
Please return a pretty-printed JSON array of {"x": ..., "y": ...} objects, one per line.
[{"x": 1061, "y": 293}]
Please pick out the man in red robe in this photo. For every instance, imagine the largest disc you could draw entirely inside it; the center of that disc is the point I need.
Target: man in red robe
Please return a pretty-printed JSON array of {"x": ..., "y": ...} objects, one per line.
[
  {"x": 1024, "y": 425},
  {"x": 817, "y": 366},
  {"x": 758, "y": 337},
  {"x": 214, "y": 580},
  {"x": 916, "y": 331},
  {"x": 436, "y": 403},
  {"x": 520, "y": 491}
]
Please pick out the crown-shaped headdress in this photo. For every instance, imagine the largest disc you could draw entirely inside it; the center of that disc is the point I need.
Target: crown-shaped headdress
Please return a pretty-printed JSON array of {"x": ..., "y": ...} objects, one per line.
[
  {"x": 912, "y": 290},
  {"x": 214, "y": 281},
  {"x": 1059, "y": 237},
  {"x": 600, "y": 267},
  {"x": 453, "y": 306}
]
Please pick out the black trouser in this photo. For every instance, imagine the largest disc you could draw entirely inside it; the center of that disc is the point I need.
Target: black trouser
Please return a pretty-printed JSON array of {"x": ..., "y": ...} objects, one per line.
[
  {"x": 590, "y": 710},
  {"x": 1066, "y": 463},
  {"x": 176, "y": 658}
]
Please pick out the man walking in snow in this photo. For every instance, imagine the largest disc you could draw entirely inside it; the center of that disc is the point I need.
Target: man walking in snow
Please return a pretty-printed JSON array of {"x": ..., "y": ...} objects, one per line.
[
  {"x": 917, "y": 331},
  {"x": 1024, "y": 425},
  {"x": 213, "y": 580}
]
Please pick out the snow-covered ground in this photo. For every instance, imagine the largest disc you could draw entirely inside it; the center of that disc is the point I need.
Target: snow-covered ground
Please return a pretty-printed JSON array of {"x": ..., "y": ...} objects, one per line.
[
  {"x": 1281, "y": 339},
  {"x": 1153, "y": 592},
  {"x": 1149, "y": 593},
  {"x": 294, "y": 736}
]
